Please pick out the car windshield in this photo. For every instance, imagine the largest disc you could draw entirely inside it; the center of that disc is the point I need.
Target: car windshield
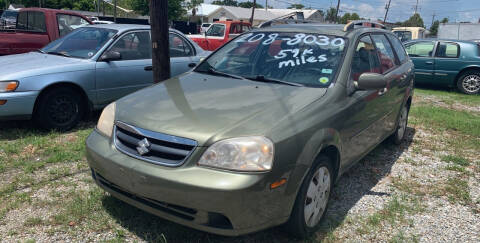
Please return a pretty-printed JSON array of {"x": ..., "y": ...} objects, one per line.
[
  {"x": 298, "y": 58},
  {"x": 81, "y": 43}
]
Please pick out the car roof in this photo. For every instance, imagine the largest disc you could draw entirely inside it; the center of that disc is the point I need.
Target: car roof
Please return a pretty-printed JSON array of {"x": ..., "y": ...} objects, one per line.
[
  {"x": 449, "y": 40},
  {"x": 320, "y": 28},
  {"x": 120, "y": 27}
]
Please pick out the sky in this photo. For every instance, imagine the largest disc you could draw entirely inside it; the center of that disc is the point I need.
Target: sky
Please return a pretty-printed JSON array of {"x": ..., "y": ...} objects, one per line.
[{"x": 400, "y": 10}]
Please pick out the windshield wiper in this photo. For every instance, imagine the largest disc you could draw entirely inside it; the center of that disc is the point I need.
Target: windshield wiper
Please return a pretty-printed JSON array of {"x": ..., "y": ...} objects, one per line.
[
  {"x": 261, "y": 78},
  {"x": 58, "y": 53},
  {"x": 212, "y": 70},
  {"x": 40, "y": 50}
]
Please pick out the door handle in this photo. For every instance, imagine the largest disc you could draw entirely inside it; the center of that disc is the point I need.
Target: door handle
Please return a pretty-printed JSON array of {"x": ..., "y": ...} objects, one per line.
[
  {"x": 148, "y": 68},
  {"x": 382, "y": 91},
  {"x": 192, "y": 64},
  {"x": 429, "y": 62}
]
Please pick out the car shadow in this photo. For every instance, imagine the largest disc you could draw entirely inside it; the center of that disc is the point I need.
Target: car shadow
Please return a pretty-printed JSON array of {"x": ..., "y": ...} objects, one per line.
[
  {"x": 11, "y": 130},
  {"x": 351, "y": 187}
]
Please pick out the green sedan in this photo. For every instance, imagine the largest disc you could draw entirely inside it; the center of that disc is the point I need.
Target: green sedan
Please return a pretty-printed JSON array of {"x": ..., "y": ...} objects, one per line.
[
  {"x": 448, "y": 63},
  {"x": 257, "y": 134}
]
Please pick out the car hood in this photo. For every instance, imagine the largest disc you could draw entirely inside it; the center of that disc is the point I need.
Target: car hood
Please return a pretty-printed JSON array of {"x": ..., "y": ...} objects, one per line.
[
  {"x": 33, "y": 64},
  {"x": 209, "y": 108}
]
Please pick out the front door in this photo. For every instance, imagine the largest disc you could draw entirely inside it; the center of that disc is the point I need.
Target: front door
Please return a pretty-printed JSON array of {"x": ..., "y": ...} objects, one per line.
[
  {"x": 421, "y": 54},
  {"x": 363, "y": 128},
  {"x": 116, "y": 79},
  {"x": 215, "y": 36}
]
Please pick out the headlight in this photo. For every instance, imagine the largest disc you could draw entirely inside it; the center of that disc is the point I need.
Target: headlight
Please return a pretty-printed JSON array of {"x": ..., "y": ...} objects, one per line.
[
  {"x": 105, "y": 123},
  {"x": 241, "y": 154},
  {"x": 8, "y": 86}
]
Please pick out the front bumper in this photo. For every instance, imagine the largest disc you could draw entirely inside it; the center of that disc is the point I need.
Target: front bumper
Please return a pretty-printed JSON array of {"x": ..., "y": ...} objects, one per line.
[
  {"x": 19, "y": 105},
  {"x": 210, "y": 200}
]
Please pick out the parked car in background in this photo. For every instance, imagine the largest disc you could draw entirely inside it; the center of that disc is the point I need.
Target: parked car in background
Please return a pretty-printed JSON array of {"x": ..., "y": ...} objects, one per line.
[
  {"x": 102, "y": 22},
  {"x": 36, "y": 27},
  {"x": 220, "y": 33},
  {"x": 204, "y": 27},
  {"x": 447, "y": 63},
  {"x": 8, "y": 19},
  {"x": 410, "y": 33},
  {"x": 85, "y": 70},
  {"x": 259, "y": 132}
]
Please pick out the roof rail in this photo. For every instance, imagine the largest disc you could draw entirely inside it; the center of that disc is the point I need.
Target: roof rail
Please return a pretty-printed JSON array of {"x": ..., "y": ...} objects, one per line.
[{"x": 363, "y": 23}]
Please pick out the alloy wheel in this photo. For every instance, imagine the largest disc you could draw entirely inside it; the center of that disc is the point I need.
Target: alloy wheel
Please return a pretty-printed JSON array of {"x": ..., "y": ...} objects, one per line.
[
  {"x": 471, "y": 83},
  {"x": 317, "y": 196}
]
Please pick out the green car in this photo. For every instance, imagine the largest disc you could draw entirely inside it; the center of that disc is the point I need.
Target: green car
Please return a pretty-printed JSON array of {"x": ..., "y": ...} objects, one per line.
[
  {"x": 257, "y": 134},
  {"x": 447, "y": 63}
]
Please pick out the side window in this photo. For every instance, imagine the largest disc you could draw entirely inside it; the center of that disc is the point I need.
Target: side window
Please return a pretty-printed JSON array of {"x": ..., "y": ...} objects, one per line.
[
  {"x": 398, "y": 46},
  {"x": 134, "y": 46},
  {"x": 67, "y": 23},
  {"x": 365, "y": 59},
  {"x": 216, "y": 30},
  {"x": 178, "y": 46},
  {"x": 420, "y": 49},
  {"x": 448, "y": 50},
  {"x": 385, "y": 52},
  {"x": 31, "y": 21}
]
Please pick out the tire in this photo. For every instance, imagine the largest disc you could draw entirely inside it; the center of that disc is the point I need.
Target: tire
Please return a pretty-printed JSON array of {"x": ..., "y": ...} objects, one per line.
[
  {"x": 59, "y": 109},
  {"x": 399, "y": 134},
  {"x": 304, "y": 220},
  {"x": 469, "y": 82}
]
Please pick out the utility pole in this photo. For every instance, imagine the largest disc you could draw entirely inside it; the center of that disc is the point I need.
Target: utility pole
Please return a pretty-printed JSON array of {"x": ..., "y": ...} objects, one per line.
[
  {"x": 336, "y": 13},
  {"x": 253, "y": 11},
  {"x": 115, "y": 11},
  {"x": 386, "y": 12},
  {"x": 416, "y": 7},
  {"x": 433, "y": 18},
  {"x": 266, "y": 5},
  {"x": 160, "y": 49}
]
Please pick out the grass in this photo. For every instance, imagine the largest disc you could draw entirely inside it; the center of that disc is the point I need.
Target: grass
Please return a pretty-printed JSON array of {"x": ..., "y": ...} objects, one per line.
[
  {"x": 450, "y": 97},
  {"x": 457, "y": 160}
]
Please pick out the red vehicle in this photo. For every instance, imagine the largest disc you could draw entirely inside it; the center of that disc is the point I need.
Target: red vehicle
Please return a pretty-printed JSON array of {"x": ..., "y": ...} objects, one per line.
[
  {"x": 220, "y": 33},
  {"x": 37, "y": 27}
]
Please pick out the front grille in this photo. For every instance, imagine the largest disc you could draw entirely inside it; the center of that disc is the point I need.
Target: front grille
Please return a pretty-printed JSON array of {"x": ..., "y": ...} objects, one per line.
[{"x": 162, "y": 149}]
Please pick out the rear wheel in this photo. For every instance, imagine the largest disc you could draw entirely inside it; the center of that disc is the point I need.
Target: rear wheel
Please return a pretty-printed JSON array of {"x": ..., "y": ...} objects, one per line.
[
  {"x": 469, "y": 82},
  {"x": 402, "y": 122},
  {"x": 312, "y": 199},
  {"x": 60, "y": 109}
]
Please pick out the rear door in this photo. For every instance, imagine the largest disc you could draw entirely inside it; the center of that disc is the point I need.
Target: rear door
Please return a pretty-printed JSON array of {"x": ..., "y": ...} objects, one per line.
[
  {"x": 446, "y": 62},
  {"x": 116, "y": 79},
  {"x": 182, "y": 54},
  {"x": 421, "y": 53}
]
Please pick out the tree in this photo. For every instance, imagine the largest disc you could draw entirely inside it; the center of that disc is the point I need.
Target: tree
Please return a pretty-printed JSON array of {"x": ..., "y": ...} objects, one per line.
[
  {"x": 354, "y": 16},
  {"x": 344, "y": 19},
  {"x": 444, "y": 21},
  {"x": 331, "y": 15},
  {"x": 296, "y": 6},
  {"x": 226, "y": 2},
  {"x": 193, "y": 5},
  {"x": 84, "y": 5},
  {"x": 434, "y": 28},
  {"x": 175, "y": 8},
  {"x": 249, "y": 5},
  {"x": 414, "y": 21}
]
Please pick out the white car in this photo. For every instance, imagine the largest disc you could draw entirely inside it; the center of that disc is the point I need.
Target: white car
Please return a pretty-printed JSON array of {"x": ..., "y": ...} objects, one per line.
[{"x": 102, "y": 22}]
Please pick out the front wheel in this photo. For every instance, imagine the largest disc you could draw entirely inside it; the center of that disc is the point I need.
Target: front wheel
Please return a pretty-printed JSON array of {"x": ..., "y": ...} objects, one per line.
[
  {"x": 469, "y": 82},
  {"x": 59, "y": 109},
  {"x": 312, "y": 199}
]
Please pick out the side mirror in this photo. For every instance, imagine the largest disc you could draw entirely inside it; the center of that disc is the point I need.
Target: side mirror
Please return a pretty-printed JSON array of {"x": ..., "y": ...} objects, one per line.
[
  {"x": 371, "y": 81},
  {"x": 110, "y": 56}
]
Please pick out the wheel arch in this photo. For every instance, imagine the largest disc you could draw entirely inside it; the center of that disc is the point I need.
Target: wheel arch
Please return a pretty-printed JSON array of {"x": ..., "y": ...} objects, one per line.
[
  {"x": 65, "y": 84},
  {"x": 466, "y": 69}
]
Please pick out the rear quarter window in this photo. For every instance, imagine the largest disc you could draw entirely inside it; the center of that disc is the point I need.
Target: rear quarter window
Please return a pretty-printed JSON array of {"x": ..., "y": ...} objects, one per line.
[
  {"x": 31, "y": 21},
  {"x": 398, "y": 47}
]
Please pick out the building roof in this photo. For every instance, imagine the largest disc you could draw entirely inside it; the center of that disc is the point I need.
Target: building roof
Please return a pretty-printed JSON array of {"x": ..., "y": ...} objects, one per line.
[{"x": 204, "y": 10}]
